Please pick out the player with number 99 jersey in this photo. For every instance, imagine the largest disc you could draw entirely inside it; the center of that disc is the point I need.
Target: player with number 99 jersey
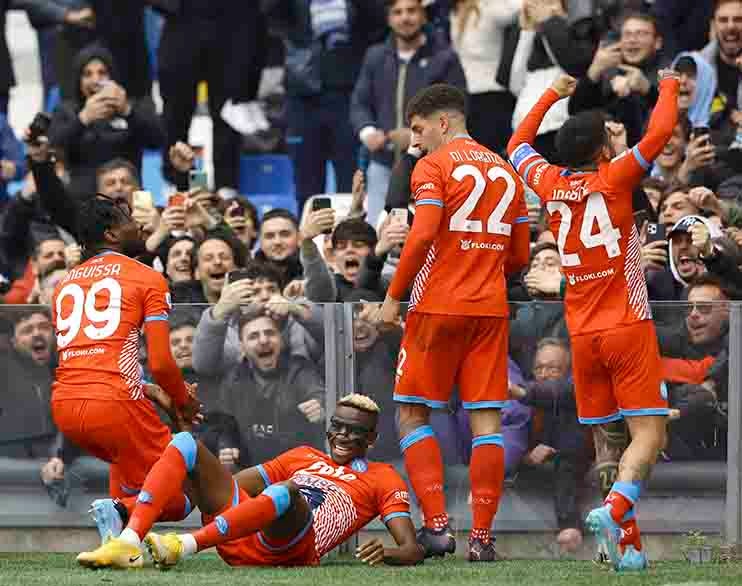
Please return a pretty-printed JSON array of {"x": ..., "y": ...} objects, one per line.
[
  {"x": 99, "y": 310},
  {"x": 614, "y": 345}
]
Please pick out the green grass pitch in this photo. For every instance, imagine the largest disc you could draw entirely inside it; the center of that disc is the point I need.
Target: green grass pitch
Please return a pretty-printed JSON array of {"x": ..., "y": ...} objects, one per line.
[{"x": 61, "y": 570}]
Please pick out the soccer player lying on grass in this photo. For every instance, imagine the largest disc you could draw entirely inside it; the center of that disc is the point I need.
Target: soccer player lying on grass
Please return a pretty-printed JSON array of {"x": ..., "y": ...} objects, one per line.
[{"x": 289, "y": 511}]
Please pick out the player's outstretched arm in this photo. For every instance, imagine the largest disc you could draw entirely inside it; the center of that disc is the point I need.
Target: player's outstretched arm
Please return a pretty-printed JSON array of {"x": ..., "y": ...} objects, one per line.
[
  {"x": 407, "y": 553},
  {"x": 563, "y": 87},
  {"x": 630, "y": 168}
]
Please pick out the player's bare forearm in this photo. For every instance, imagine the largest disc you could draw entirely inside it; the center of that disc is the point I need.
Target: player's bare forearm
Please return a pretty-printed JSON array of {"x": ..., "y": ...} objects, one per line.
[
  {"x": 663, "y": 120},
  {"x": 422, "y": 236},
  {"x": 528, "y": 129},
  {"x": 408, "y": 551},
  {"x": 251, "y": 481}
]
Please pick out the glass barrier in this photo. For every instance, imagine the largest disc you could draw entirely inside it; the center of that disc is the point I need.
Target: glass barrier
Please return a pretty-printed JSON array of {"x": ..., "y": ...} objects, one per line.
[
  {"x": 269, "y": 379},
  {"x": 557, "y": 469}
]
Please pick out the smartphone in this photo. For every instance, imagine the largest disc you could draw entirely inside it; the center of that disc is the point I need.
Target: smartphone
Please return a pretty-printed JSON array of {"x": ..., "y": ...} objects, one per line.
[
  {"x": 701, "y": 131},
  {"x": 177, "y": 199},
  {"x": 242, "y": 274},
  {"x": 399, "y": 215},
  {"x": 321, "y": 203},
  {"x": 610, "y": 38},
  {"x": 143, "y": 200},
  {"x": 656, "y": 232},
  {"x": 198, "y": 180}
]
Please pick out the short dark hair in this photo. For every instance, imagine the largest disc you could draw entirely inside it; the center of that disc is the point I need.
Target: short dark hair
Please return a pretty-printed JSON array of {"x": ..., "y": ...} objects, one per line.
[
  {"x": 253, "y": 312},
  {"x": 674, "y": 187},
  {"x": 18, "y": 317},
  {"x": 389, "y": 4},
  {"x": 657, "y": 183},
  {"x": 239, "y": 253},
  {"x": 280, "y": 213},
  {"x": 541, "y": 246},
  {"x": 118, "y": 163},
  {"x": 639, "y": 15},
  {"x": 264, "y": 270},
  {"x": 436, "y": 98},
  {"x": 580, "y": 139},
  {"x": 354, "y": 229},
  {"x": 40, "y": 241},
  {"x": 711, "y": 280},
  {"x": 95, "y": 217},
  {"x": 181, "y": 319}
]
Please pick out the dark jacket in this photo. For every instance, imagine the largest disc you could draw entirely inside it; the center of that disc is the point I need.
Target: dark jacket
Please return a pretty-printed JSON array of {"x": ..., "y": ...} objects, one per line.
[
  {"x": 320, "y": 63},
  {"x": 265, "y": 407},
  {"x": 88, "y": 147},
  {"x": 375, "y": 94}
]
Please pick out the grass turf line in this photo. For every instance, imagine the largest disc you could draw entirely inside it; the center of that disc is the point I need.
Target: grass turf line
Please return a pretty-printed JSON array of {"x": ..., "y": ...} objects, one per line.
[{"x": 207, "y": 570}]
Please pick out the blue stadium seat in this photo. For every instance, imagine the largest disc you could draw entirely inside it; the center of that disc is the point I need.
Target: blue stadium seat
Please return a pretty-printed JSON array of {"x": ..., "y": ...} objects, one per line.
[
  {"x": 266, "y": 174},
  {"x": 265, "y": 202},
  {"x": 152, "y": 179}
]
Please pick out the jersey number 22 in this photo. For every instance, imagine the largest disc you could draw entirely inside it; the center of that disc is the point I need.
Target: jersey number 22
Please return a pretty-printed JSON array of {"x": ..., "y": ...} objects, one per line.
[{"x": 460, "y": 221}]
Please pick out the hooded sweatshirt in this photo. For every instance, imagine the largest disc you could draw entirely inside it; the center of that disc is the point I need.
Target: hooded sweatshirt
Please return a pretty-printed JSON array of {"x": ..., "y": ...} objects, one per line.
[
  {"x": 699, "y": 111},
  {"x": 88, "y": 147}
]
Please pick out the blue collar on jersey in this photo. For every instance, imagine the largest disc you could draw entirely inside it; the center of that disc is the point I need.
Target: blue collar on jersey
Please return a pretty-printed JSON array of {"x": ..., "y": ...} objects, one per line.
[{"x": 461, "y": 136}]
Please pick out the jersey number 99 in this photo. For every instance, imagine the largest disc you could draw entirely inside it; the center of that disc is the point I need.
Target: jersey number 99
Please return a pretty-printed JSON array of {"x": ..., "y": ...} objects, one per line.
[{"x": 100, "y": 323}]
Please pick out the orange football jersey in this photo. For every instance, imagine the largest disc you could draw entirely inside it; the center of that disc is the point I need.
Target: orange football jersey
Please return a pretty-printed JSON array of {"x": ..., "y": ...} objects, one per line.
[
  {"x": 482, "y": 200},
  {"x": 591, "y": 217},
  {"x": 344, "y": 499},
  {"x": 99, "y": 309}
]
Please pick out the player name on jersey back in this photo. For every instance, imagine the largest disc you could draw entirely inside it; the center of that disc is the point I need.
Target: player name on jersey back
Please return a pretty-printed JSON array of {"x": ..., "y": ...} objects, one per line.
[
  {"x": 482, "y": 200},
  {"x": 99, "y": 309}
]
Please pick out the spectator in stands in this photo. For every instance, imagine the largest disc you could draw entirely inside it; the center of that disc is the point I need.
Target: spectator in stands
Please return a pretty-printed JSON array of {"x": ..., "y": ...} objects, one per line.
[
  {"x": 653, "y": 188},
  {"x": 549, "y": 40},
  {"x": 324, "y": 51},
  {"x": 217, "y": 43},
  {"x": 276, "y": 397},
  {"x": 352, "y": 241},
  {"x": 12, "y": 162},
  {"x": 177, "y": 259},
  {"x": 211, "y": 261},
  {"x": 218, "y": 338},
  {"x": 541, "y": 318},
  {"x": 724, "y": 50},
  {"x": 47, "y": 283},
  {"x": 478, "y": 36},
  {"x": 391, "y": 74},
  {"x": 47, "y": 256},
  {"x": 377, "y": 268},
  {"x": 622, "y": 78},
  {"x": 102, "y": 123},
  {"x": 375, "y": 354},
  {"x": 561, "y": 443},
  {"x": 242, "y": 218},
  {"x": 279, "y": 244},
  {"x": 677, "y": 203},
  {"x": 704, "y": 332}
]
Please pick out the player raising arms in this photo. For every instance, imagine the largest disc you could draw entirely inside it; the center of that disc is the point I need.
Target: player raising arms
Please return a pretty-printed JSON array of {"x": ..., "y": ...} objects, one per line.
[
  {"x": 470, "y": 229},
  {"x": 616, "y": 361},
  {"x": 98, "y": 397},
  {"x": 289, "y": 511}
]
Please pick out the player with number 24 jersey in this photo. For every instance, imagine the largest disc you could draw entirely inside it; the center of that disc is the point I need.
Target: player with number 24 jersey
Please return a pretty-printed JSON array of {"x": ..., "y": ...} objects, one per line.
[{"x": 606, "y": 302}]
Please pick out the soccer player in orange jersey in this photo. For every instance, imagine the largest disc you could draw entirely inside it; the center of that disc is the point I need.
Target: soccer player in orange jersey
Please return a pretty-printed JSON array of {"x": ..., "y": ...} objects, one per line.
[
  {"x": 98, "y": 399},
  {"x": 616, "y": 364},
  {"x": 289, "y": 511},
  {"x": 470, "y": 230}
]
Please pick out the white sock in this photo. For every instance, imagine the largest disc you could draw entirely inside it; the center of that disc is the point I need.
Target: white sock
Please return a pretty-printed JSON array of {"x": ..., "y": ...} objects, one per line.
[
  {"x": 190, "y": 546},
  {"x": 130, "y": 536}
]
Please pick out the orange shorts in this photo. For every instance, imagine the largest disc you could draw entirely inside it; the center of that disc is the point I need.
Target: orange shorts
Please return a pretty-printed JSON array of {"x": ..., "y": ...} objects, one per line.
[
  {"x": 618, "y": 373},
  {"x": 128, "y": 434},
  {"x": 256, "y": 550},
  {"x": 439, "y": 351}
]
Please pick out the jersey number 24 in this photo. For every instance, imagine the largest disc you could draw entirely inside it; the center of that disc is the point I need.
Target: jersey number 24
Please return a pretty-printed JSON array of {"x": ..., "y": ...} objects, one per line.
[{"x": 595, "y": 211}]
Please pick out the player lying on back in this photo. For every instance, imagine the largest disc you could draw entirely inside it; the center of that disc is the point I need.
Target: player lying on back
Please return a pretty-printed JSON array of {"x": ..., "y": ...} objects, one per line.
[
  {"x": 616, "y": 364},
  {"x": 289, "y": 511},
  {"x": 98, "y": 399}
]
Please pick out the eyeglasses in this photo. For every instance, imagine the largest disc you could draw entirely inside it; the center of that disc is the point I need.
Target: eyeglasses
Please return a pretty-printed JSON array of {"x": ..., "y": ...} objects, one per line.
[
  {"x": 350, "y": 429},
  {"x": 703, "y": 307}
]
